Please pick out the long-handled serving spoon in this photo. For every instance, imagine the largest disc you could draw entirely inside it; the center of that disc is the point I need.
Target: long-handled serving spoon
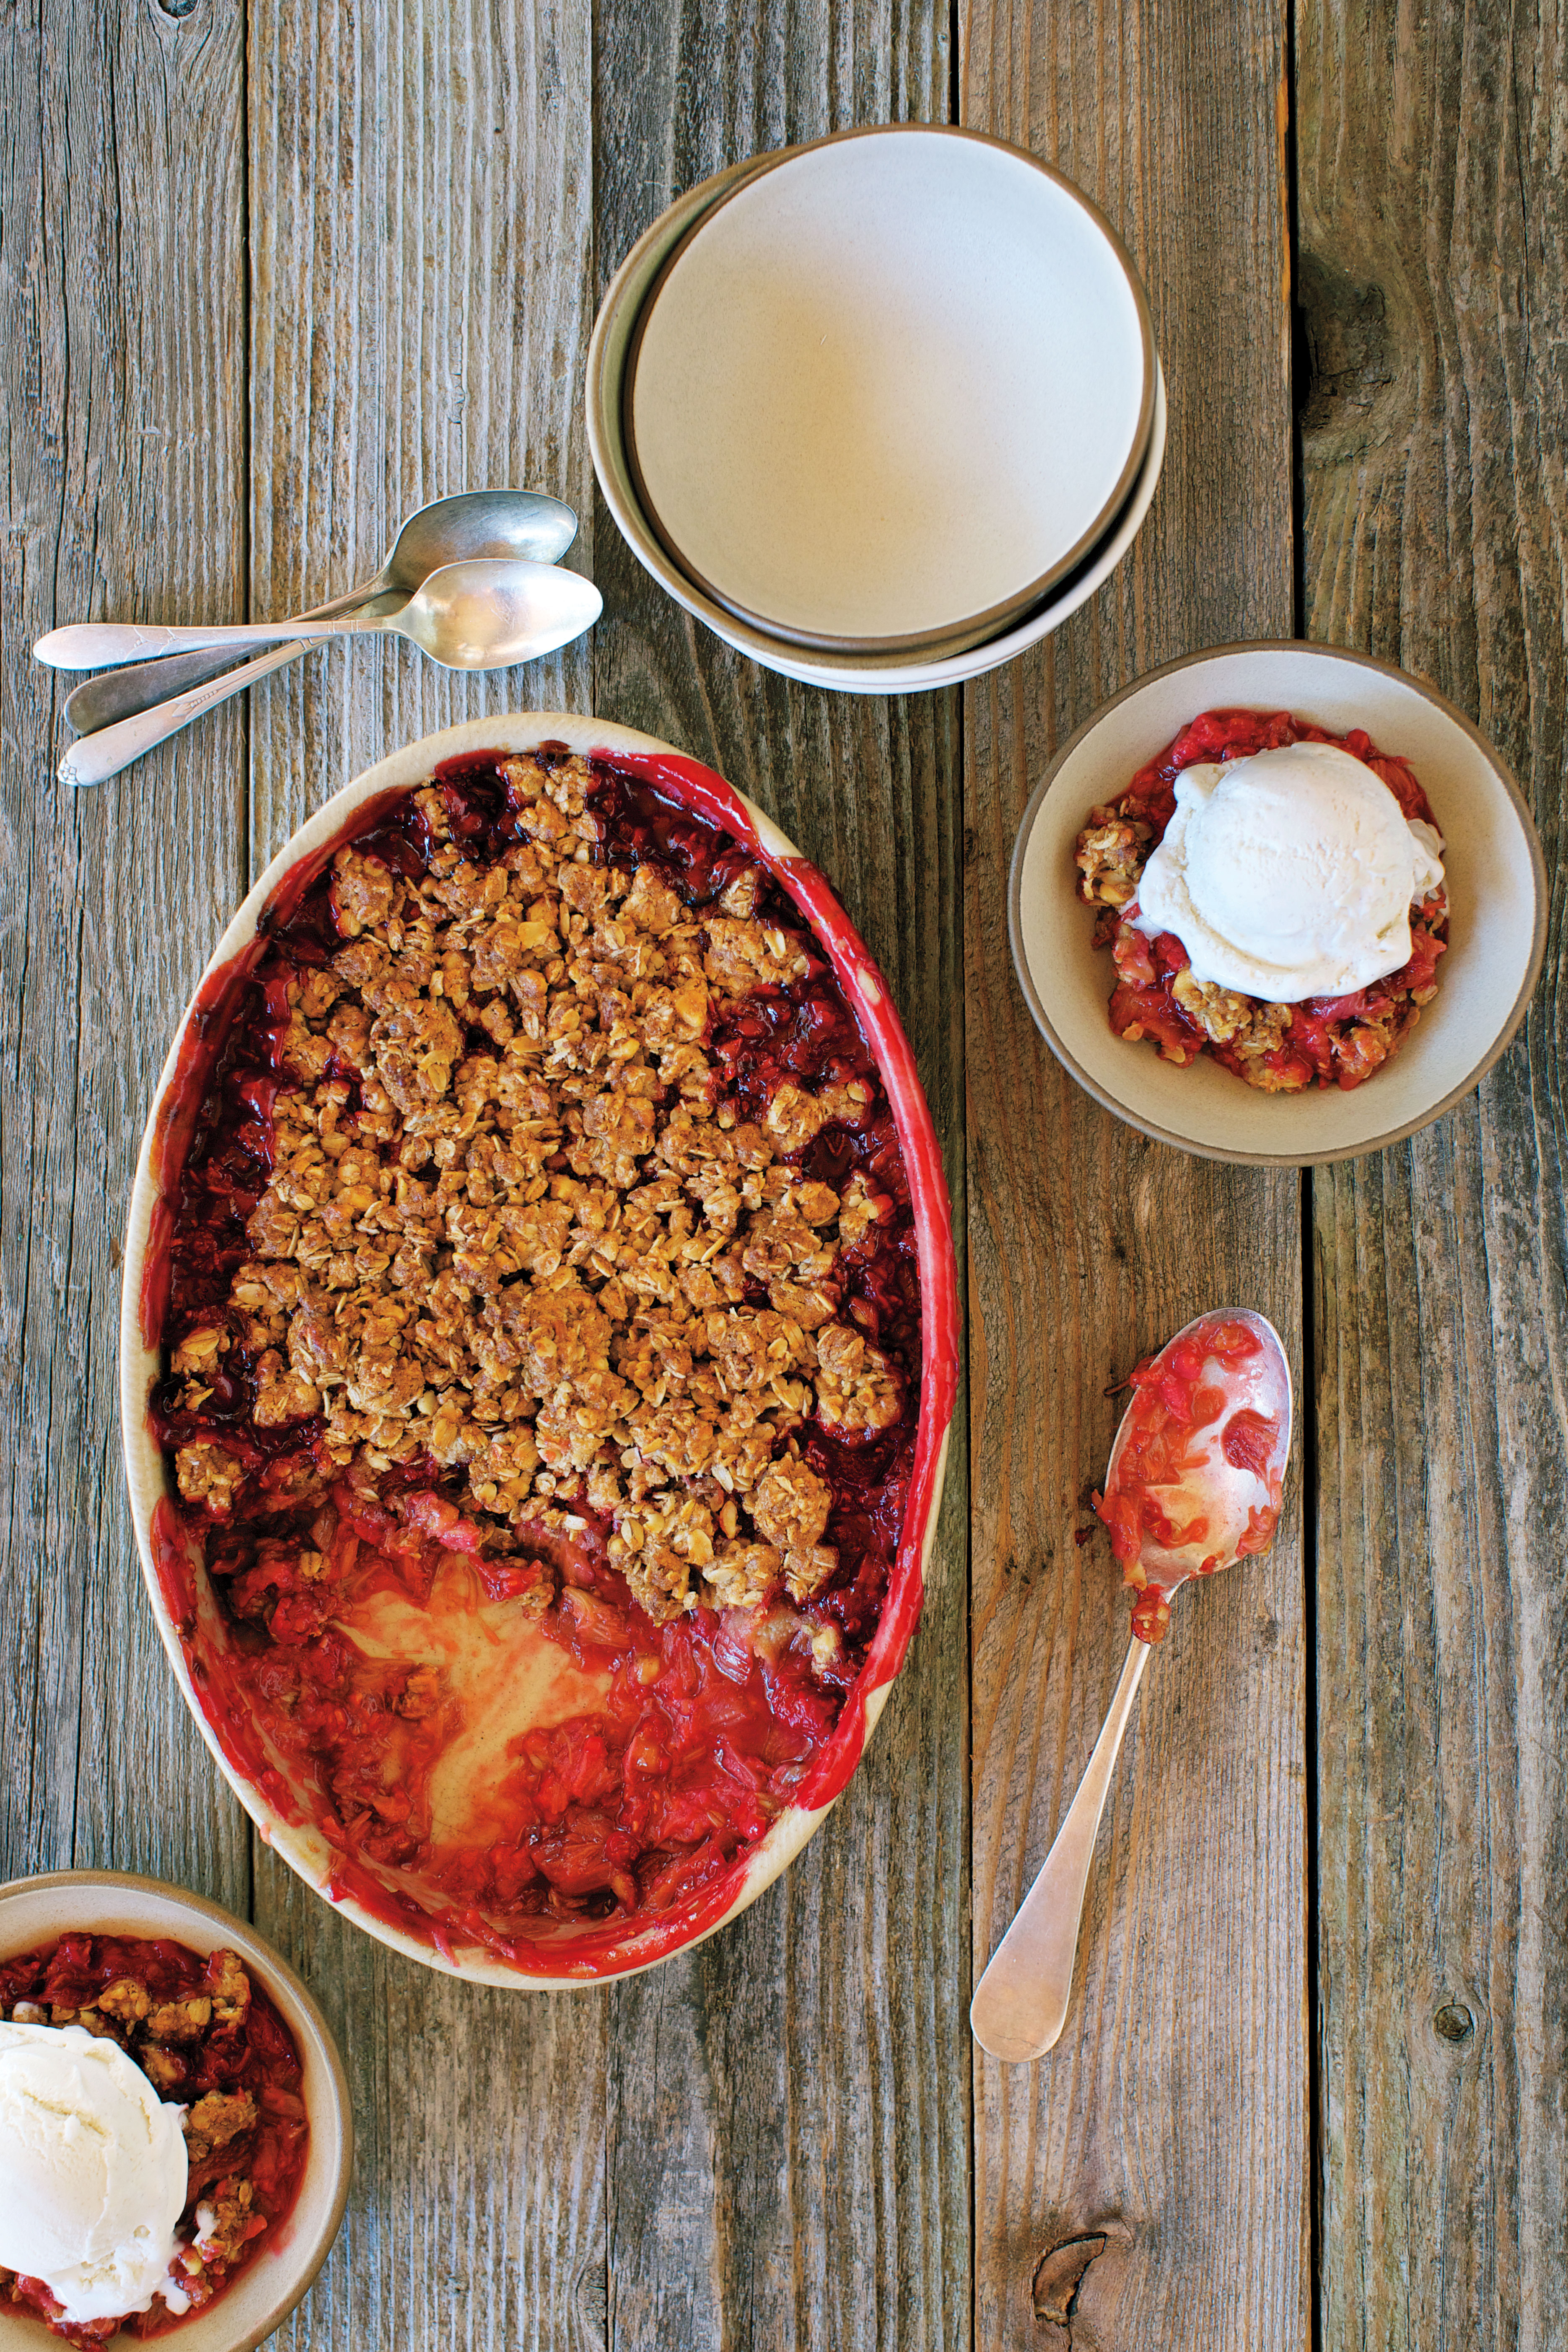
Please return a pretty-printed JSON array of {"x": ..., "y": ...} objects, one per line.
[
  {"x": 472, "y": 523},
  {"x": 1222, "y": 1501}
]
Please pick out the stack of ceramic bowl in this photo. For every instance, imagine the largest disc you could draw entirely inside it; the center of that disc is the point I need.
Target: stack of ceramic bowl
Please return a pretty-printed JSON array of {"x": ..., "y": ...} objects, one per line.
[{"x": 881, "y": 411}]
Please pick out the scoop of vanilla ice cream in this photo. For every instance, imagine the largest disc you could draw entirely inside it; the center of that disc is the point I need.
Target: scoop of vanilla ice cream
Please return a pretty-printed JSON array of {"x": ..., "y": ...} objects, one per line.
[
  {"x": 92, "y": 2170},
  {"x": 1290, "y": 874}
]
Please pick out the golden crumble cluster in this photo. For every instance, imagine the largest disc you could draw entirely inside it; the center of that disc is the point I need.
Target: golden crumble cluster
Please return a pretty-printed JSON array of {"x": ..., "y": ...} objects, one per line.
[
  {"x": 1113, "y": 850},
  {"x": 542, "y": 1260}
]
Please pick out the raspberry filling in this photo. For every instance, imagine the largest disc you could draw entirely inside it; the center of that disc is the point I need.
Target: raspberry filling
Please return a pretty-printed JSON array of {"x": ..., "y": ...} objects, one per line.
[
  {"x": 1326, "y": 1041},
  {"x": 210, "y": 2040},
  {"x": 1196, "y": 1388},
  {"x": 547, "y": 1657}
]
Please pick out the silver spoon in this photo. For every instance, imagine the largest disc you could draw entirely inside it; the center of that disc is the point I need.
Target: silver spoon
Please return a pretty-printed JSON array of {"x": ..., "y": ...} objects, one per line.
[
  {"x": 1021, "y": 2002},
  {"x": 447, "y": 531},
  {"x": 487, "y": 614},
  {"x": 482, "y": 615}
]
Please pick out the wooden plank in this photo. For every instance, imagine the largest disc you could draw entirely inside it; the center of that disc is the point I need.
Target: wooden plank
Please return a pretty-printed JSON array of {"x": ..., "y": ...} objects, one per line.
[
  {"x": 122, "y": 425},
  {"x": 1169, "y": 2128},
  {"x": 790, "y": 2126},
  {"x": 1433, "y": 238},
  {"x": 420, "y": 183},
  {"x": 420, "y": 191},
  {"x": 477, "y": 2217}
]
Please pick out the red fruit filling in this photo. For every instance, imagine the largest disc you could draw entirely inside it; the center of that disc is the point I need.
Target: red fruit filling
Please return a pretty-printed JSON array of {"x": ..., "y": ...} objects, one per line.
[
  {"x": 1172, "y": 1407},
  {"x": 502, "y": 1691},
  {"x": 1324, "y": 1040},
  {"x": 210, "y": 2040}
]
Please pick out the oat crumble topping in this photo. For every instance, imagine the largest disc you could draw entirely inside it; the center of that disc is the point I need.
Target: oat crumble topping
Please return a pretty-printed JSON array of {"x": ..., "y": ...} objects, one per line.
[{"x": 543, "y": 1261}]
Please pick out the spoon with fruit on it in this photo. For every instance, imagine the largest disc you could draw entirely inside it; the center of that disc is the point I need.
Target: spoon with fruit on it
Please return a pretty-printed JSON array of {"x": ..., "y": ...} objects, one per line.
[{"x": 1193, "y": 1485}]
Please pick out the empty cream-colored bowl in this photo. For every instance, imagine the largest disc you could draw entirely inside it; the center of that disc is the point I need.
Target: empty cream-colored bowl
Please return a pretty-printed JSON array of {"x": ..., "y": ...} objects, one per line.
[
  {"x": 1497, "y": 893},
  {"x": 36, "y": 1911},
  {"x": 888, "y": 390},
  {"x": 844, "y": 671}
]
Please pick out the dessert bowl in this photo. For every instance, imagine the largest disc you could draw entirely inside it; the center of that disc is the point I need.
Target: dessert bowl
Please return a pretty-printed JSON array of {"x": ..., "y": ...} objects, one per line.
[
  {"x": 36, "y": 1911},
  {"x": 799, "y": 455},
  {"x": 196, "y": 1632},
  {"x": 846, "y": 671},
  {"x": 1496, "y": 884}
]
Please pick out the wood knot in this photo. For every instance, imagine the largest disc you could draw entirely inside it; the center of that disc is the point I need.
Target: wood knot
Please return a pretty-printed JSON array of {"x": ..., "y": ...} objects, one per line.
[
  {"x": 1454, "y": 2022},
  {"x": 178, "y": 9},
  {"x": 1058, "y": 2275},
  {"x": 1349, "y": 354}
]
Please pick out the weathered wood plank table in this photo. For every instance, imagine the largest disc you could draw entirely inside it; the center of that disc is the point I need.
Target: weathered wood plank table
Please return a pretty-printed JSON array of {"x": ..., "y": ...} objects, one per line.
[{"x": 272, "y": 274}]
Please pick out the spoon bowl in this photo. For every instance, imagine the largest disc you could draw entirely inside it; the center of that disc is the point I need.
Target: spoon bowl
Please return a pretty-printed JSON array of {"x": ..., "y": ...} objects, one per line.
[
  {"x": 1230, "y": 1469},
  {"x": 1224, "y": 1381},
  {"x": 490, "y": 616},
  {"x": 472, "y": 525}
]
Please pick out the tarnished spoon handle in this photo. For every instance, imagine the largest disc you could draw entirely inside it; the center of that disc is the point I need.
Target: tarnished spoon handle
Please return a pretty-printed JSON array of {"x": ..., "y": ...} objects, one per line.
[
  {"x": 96, "y": 645},
  {"x": 115, "y": 694},
  {"x": 110, "y": 695},
  {"x": 1021, "y": 2002},
  {"x": 93, "y": 759}
]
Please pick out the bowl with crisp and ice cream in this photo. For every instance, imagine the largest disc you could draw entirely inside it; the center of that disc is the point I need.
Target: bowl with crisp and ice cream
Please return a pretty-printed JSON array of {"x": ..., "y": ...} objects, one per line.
[
  {"x": 1317, "y": 904},
  {"x": 174, "y": 2132},
  {"x": 92, "y": 2170},
  {"x": 1289, "y": 873}
]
